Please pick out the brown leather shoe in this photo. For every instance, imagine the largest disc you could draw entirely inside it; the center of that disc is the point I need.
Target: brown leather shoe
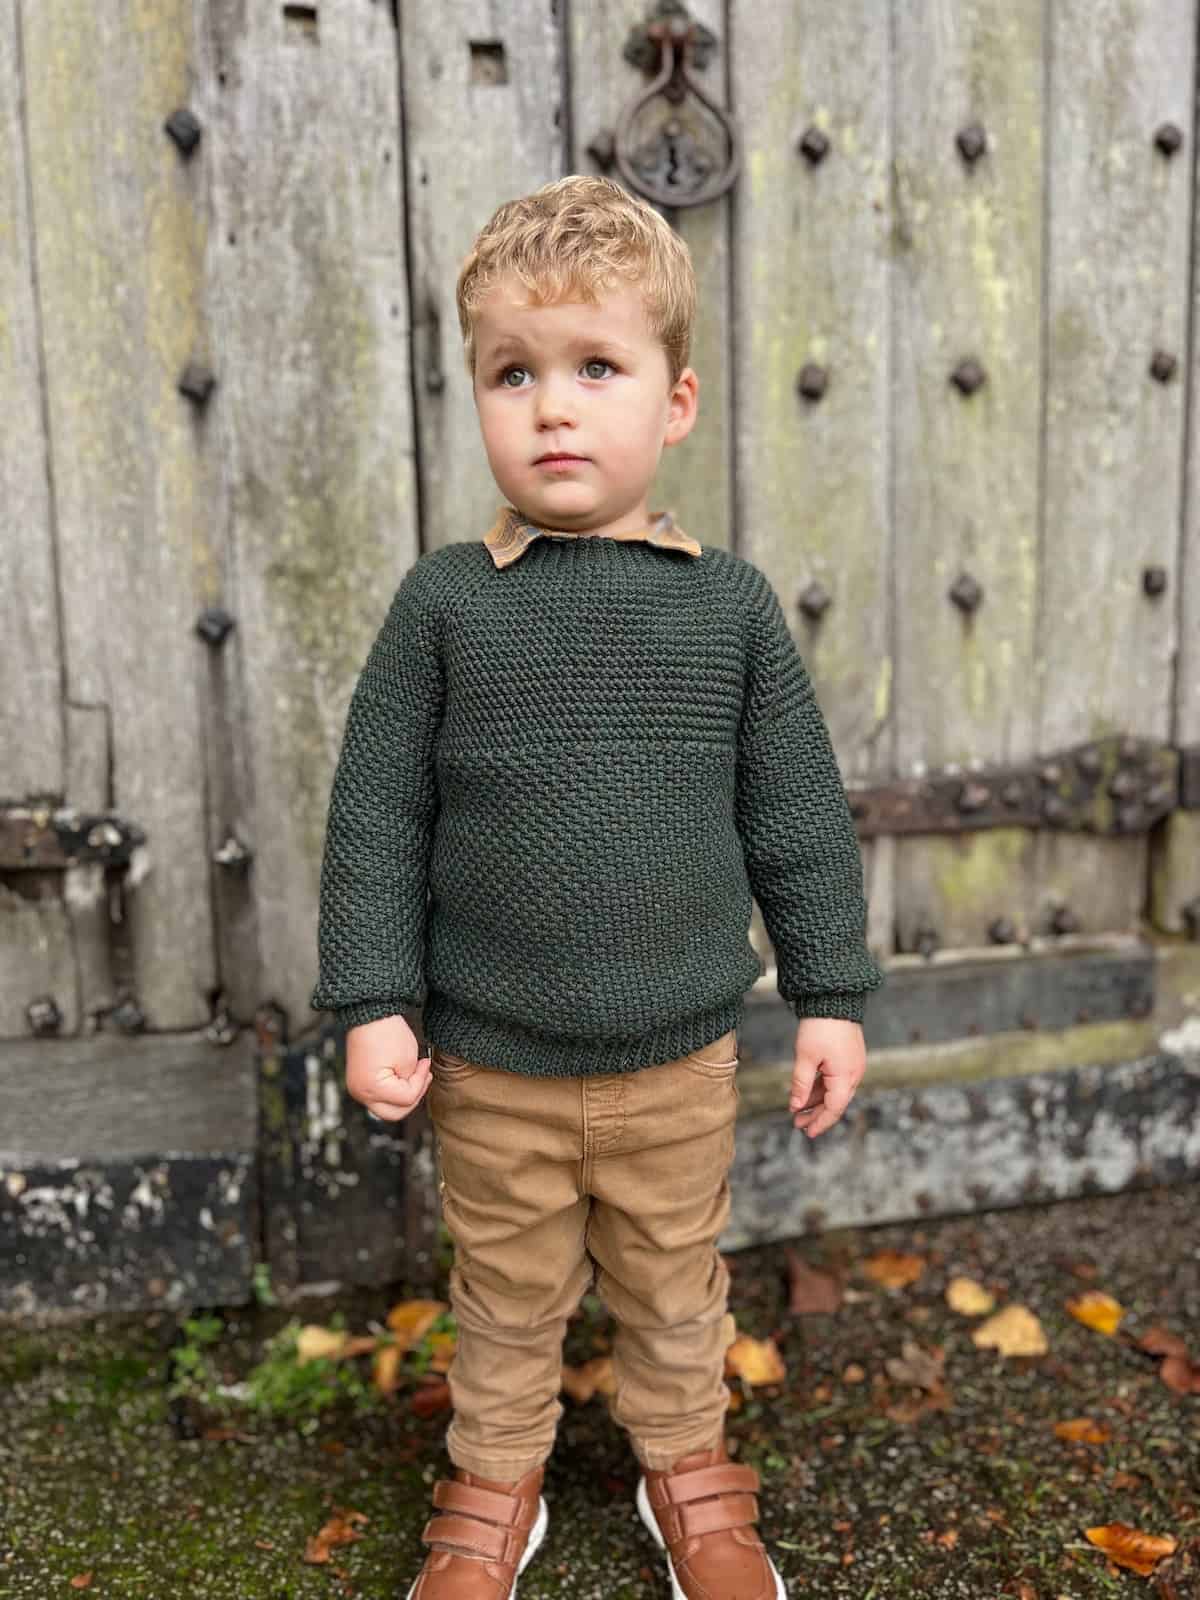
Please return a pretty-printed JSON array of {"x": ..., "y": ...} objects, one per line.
[
  {"x": 486, "y": 1536},
  {"x": 703, "y": 1513}
]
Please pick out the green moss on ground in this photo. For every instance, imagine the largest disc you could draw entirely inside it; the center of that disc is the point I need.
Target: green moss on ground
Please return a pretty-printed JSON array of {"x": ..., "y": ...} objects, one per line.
[{"x": 97, "y": 1473}]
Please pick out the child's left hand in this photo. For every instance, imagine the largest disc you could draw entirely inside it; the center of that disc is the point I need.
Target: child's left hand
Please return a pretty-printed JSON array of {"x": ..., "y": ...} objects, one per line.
[{"x": 831, "y": 1055}]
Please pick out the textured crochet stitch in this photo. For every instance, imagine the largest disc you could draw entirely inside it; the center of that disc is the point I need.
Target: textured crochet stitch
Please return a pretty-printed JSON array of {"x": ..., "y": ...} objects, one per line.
[{"x": 560, "y": 784}]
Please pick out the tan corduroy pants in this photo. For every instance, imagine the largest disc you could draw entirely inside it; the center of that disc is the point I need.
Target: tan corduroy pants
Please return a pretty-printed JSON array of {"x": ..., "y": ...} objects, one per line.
[{"x": 547, "y": 1181}]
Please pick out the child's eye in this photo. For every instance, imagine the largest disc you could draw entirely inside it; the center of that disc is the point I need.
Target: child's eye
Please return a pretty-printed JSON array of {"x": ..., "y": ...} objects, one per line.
[{"x": 592, "y": 361}]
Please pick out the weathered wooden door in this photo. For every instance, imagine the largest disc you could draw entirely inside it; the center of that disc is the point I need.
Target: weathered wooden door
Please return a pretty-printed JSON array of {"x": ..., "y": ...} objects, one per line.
[{"x": 945, "y": 351}]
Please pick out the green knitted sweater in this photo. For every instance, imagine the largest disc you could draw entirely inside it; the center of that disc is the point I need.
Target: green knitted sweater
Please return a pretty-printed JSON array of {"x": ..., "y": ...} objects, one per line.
[{"x": 560, "y": 783}]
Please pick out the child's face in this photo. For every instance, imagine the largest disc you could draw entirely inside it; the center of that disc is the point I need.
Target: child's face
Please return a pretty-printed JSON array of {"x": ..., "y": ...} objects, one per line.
[{"x": 586, "y": 380}]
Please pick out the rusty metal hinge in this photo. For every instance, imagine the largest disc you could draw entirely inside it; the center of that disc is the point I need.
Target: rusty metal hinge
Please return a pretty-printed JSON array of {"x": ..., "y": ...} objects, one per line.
[
  {"x": 48, "y": 837},
  {"x": 1116, "y": 785}
]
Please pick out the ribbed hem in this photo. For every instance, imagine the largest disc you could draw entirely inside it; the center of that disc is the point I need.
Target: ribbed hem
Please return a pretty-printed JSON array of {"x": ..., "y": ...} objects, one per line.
[
  {"x": 370, "y": 1011},
  {"x": 844, "y": 1003},
  {"x": 492, "y": 1043}
]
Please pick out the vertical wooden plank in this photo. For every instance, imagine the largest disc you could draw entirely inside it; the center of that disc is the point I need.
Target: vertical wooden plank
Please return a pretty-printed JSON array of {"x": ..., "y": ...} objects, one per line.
[
  {"x": 811, "y": 245},
  {"x": 32, "y": 754},
  {"x": 968, "y": 259},
  {"x": 1175, "y": 847},
  {"x": 35, "y": 935},
  {"x": 694, "y": 478},
  {"x": 119, "y": 273},
  {"x": 309, "y": 452},
  {"x": 1119, "y": 219},
  {"x": 483, "y": 114}
]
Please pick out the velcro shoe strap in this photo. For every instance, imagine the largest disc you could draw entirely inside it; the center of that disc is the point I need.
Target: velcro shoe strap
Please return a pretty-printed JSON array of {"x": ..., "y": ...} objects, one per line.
[
  {"x": 725, "y": 1478},
  {"x": 481, "y": 1538},
  {"x": 509, "y": 1510},
  {"x": 713, "y": 1516}
]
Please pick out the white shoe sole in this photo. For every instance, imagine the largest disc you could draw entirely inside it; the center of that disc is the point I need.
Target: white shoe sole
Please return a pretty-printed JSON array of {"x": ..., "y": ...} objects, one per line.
[
  {"x": 536, "y": 1534},
  {"x": 646, "y": 1512}
]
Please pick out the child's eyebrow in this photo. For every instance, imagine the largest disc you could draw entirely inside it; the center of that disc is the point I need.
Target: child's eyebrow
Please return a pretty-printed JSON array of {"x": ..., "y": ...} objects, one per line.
[{"x": 599, "y": 342}]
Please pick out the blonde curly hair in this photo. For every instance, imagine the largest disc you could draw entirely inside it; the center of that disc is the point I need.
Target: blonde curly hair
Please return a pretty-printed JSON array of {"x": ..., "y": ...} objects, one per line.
[{"x": 575, "y": 239}]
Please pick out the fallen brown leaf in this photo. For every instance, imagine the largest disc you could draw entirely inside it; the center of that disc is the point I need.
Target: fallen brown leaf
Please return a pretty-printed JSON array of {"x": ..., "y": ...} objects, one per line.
[
  {"x": 1129, "y": 1547},
  {"x": 920, "y": 1368},
  {"x": 385, "y": 1369},
  {"x": 1015, "y": 1331},
  {"x": 410, "y": 1320},
  {"x": 893, "y": 1269},
  {"x": 81, "y": 1580},
  {"x": 431, "y": 1398},
  {"x": 339, "y": 1529},
  {"x": 810, "y": 1290},
  {"x": 754, "y": 1361},
  {"x": 1097, "y": 1310},
  {"x": 582, "y": 1382},
  {"x": 1082, "y": 1430},
  {"x": 968, "y": 1297}
]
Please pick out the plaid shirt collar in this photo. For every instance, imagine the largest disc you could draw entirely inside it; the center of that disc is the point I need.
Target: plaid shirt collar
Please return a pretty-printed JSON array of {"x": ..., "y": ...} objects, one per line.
[{"x": 511, "y": 535}]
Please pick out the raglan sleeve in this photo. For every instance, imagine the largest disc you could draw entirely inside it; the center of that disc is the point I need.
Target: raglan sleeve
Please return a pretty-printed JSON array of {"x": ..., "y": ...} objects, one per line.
[
  {"x": 375, "y": 866},
  {"x": 798, "y": 838}
]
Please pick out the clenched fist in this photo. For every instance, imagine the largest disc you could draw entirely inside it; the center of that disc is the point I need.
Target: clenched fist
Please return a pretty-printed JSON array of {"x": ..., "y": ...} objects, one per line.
[{"x": 383, "y": 1070}]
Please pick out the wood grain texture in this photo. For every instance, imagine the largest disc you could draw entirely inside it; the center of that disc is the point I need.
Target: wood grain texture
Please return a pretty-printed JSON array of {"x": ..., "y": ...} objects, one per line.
[
  {"x": 119, "y": 241},
  {"x": 484, "y": 110},
  {"x": 695, "y": 477},
  {"x": 309, "y": 452},
  {"x": 1119, "y": 223}
]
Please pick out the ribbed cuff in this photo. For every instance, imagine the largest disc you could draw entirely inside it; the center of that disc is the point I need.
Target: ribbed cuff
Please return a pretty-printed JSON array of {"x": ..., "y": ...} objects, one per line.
[
  {"x": 369, "y": 1011},
  {"x": 847, "y": 1004}
]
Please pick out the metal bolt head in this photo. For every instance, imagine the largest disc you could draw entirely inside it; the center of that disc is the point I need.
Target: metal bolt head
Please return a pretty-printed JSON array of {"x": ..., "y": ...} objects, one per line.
[
  {"x": 1012, "y": 793},
  {"x": 45, "y": 1019},
  {"x": 1063, "y": 920},
  {"x": 927, "y": 940},
  {"x": 815, "y": 600},
  {"x": 129, "y": 1016},
  {"x": 1055, "y": 809},
  {"x": 1001, "y": 930},
  {"x": 968, "y": 376},
  {"x": 966, "y": 592},
  {"x": 1088, "y": 761},
  {"x": 1154, "y": 580},
  {"x": 813, "y": 145},
  {"x": 972, "y": 796},
  {"x": 813, "y": 381},
  {"x": 215, "y": 622},
  {"x": 233, "y": 853},
  {"x": 184, "y": 128},
  {"x": 972, "y": 142},
  {"x": 603, "y": 148},
  {"x": 1162, "y": 366},
  {"x": 196, "y": 382},
  {"x": 1168, "y": 138}
]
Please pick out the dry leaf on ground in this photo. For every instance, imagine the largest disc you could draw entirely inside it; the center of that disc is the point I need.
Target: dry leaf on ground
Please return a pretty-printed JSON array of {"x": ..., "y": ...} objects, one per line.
[
  {"x": 1178, "y": 1371},
  {"x": 755, "y": 1361},
  {"x": 1131, "y": 1548},
  {"x": 893, "y": 1268},
  {"x": 1097, "y": 1310},
  {"x": 411, "y": 1320},
  {"x": 338, "y": 1530},
  {"x": 1015, "y": 1331},
  {"x": 916, "y": 1366},
  {"x": 430, "y": 1398},
  {"x": 1082, "y": 1430},
  {"x": 581, "y": 1383},
  {"x": 969, "y": 1297},
  {"x": 810, "y": 1289}
]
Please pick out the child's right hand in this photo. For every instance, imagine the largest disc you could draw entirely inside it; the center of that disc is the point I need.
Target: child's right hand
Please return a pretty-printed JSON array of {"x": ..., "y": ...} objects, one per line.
[{"x": 383, "y": 1070}]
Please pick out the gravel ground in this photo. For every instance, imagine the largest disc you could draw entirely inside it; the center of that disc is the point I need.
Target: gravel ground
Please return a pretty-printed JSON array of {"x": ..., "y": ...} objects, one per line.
[{"x": 103, "y": 1491}]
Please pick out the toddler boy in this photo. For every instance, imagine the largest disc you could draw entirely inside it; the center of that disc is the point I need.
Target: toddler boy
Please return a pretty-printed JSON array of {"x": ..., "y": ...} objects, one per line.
[{"x": 577, "y": 748}]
